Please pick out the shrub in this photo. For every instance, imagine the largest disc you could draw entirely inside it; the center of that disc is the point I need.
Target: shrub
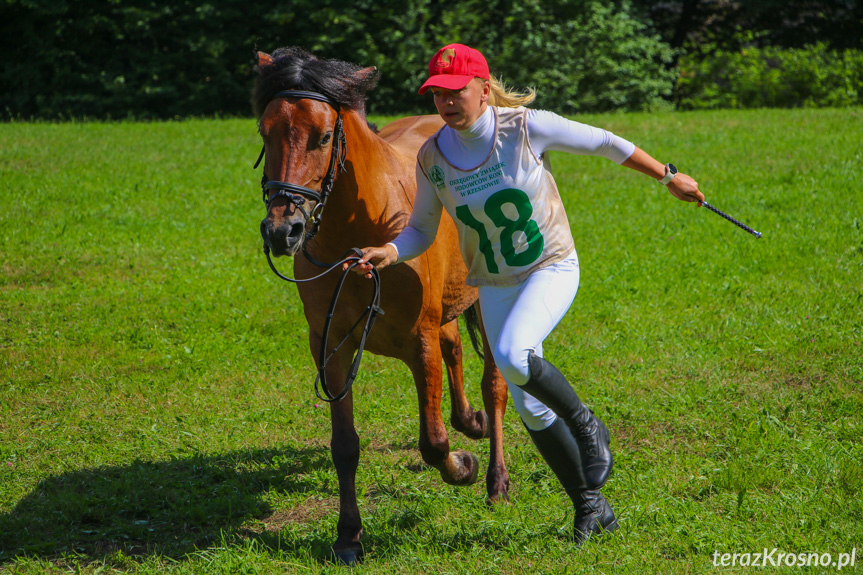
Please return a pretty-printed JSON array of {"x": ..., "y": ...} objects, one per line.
[
  {"x": 151, "y": 59},
  {"x": 580, "y": 57},
  {"x": 771, "y": 77}
]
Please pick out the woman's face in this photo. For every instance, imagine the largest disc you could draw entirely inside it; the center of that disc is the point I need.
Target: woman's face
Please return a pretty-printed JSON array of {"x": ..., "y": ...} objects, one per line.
[{"x": 461, "y": 108}]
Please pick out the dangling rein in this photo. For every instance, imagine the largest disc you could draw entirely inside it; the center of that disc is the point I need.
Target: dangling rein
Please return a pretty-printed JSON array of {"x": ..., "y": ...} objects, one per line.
[
  {"x": 297, "y": 195},
  {"x": 371, "y": 312}
]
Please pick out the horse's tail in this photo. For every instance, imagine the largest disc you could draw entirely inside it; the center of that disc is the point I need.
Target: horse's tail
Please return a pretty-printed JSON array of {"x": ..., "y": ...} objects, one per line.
[{"x": 471, "y": 320}]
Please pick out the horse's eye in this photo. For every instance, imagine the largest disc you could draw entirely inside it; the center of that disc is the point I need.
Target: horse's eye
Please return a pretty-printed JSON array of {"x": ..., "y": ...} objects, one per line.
[{"x": 326, "y": 139}]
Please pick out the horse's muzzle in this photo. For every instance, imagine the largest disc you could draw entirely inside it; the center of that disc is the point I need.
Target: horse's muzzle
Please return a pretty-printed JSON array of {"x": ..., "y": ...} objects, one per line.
[{"x": 284, "y": 239}]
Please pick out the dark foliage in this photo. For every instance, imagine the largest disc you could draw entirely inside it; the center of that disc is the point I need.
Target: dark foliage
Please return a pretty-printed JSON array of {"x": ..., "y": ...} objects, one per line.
[
  {"x": 147, "y": 59},
  {"x": 129, "y": 58},
  {"x": 731, "y": 25}
]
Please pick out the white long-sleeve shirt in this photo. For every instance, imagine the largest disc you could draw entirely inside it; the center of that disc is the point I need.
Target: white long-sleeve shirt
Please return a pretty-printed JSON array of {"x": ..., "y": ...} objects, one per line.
[{"x": 465, "y": 149}]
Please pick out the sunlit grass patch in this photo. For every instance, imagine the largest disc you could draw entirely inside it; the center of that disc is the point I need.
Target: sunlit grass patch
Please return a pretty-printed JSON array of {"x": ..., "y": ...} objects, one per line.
[{"x": 157, "y": 412}]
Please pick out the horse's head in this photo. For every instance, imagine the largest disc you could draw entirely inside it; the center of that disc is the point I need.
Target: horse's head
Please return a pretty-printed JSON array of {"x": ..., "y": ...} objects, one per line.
[
  {"x": 304, "y": 145},
  {"x": 299, "y": 102}
]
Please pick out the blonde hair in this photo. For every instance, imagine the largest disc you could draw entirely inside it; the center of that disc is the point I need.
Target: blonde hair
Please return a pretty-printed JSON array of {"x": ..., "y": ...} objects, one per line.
[{"x": 506, "y": 97}]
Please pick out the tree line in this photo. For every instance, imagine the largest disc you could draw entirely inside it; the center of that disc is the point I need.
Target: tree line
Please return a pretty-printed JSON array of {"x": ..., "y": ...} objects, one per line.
[{"x": 147, "y": 59}]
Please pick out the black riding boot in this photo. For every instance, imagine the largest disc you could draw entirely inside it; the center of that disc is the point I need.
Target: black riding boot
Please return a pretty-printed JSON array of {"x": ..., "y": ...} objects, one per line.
[
  {"x": 593, "y": 514},
  {"x": 548, "y": 385}
]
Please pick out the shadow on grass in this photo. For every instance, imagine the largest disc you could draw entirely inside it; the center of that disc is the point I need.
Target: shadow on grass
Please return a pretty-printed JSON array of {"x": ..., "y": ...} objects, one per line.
[{"x": 169, "y": 508}]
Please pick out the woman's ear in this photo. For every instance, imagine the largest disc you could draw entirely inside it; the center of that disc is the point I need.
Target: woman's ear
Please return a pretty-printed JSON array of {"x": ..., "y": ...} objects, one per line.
[{"x": 486, "y": 90}]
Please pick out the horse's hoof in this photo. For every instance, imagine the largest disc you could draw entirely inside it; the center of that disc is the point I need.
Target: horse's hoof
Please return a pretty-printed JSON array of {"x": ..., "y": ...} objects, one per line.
[
  {"x": 348, "y": 557},
  {"x": 473, "y": 426},
  {"x": 497, "y": 499},
  {"x": 466, "y": 468},
  {"x": 497, "y": 488},
  {"x": 481, "y": 418}
]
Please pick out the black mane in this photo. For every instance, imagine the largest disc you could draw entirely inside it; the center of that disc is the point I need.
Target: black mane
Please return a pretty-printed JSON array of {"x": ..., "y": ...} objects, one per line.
[{"x": 296, "y": 69}]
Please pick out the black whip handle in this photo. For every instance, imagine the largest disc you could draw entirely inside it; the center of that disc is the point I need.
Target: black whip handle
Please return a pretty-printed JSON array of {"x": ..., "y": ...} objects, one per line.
[{"x": 737, "y": 223}]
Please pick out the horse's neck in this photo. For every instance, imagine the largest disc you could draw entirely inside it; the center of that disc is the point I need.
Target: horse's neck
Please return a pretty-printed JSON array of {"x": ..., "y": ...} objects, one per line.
[{"x": 373, "y": 196}]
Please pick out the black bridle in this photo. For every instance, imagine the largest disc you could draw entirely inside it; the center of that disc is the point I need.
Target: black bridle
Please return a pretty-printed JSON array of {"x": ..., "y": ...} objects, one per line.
[{"x": 297, "y": 195}]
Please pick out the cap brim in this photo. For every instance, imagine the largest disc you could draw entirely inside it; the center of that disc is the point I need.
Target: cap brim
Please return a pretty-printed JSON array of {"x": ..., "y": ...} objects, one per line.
[{"x": 448, "y": 81}]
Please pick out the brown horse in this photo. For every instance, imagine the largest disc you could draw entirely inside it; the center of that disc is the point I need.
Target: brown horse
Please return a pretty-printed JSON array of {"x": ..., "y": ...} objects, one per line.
[{"x": 312, "y": 120}]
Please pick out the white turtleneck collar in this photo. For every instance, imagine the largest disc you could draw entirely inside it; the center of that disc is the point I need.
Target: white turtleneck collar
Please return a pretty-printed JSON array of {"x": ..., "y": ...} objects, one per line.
[
  {"x": 484, "y": 124},
  {"x": 468, "y": 148}
]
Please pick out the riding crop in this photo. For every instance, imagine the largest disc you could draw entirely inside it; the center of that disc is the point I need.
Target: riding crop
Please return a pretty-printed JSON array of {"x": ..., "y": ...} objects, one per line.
[{"x": 737, "y": 223}]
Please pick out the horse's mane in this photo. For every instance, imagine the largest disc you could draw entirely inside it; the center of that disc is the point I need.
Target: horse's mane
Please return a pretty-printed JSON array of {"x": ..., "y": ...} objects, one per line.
[{"x": 296, "y": 69}]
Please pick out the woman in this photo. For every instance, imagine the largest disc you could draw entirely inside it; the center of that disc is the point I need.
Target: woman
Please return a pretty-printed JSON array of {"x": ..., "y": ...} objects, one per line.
[{"x": 487, "y": 168}]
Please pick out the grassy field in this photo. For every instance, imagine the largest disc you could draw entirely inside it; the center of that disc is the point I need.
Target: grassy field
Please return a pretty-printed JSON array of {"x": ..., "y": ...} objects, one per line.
[{"x": 156, "y": 404}]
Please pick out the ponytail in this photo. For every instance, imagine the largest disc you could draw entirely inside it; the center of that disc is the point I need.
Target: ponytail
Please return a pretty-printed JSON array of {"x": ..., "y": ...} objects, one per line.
[{"x": 506, "y": 97}]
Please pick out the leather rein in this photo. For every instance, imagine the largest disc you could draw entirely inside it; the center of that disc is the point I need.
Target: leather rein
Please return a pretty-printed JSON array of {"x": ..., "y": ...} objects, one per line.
[{"x": 298, "y": 195}]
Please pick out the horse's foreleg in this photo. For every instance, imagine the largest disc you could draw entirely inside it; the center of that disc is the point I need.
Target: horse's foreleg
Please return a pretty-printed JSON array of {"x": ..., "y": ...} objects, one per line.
[
  {"x": 494, "y": 398},
  {"x": 456, "y": 467},
  {"x": 463, "y": 417},
  {"x": 345, "y": 451}
]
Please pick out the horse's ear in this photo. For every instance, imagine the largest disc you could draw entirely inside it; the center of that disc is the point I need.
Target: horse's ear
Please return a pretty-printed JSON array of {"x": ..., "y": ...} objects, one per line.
[
  {"x": 366, "y": 73},
  {"x": 366, "y": 79},
  {"x": 264, "y": 59}
]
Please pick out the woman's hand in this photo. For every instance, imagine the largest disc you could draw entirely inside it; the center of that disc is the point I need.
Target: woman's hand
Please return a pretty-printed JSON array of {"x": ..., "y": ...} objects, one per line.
[
  {"x": 685, "y": 188},
  {"x": 377, "y": 257},
  {"x": 681, "y": 186}
]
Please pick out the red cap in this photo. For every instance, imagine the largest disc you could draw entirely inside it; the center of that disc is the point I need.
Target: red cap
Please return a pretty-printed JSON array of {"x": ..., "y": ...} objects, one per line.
[{"x": 454, "y": 66}]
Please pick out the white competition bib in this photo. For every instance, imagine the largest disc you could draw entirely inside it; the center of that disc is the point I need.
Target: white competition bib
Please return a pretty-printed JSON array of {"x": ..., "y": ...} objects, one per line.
[{"x": 508, "y": 210}]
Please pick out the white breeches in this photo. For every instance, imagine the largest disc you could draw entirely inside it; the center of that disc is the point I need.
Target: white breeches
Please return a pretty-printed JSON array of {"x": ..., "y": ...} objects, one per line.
[{"x": 518, "y": 318}]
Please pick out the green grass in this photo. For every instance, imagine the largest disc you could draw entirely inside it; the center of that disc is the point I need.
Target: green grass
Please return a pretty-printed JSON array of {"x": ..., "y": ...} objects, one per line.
[{"x": 156, "y": 404}]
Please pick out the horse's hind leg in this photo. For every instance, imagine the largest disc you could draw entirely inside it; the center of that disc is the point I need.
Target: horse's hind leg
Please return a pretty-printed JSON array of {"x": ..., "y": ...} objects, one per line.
[
  {"x": 463, "y": 417},
  {"x": 494, "y": 398}
]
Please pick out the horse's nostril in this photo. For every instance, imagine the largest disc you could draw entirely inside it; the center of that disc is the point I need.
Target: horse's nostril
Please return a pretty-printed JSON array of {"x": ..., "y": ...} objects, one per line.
[{"x": 296, "y": 231}]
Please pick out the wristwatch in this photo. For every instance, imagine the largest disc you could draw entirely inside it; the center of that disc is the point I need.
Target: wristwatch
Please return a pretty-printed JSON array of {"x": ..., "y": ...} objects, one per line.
[{"x": 670, "y": 172}]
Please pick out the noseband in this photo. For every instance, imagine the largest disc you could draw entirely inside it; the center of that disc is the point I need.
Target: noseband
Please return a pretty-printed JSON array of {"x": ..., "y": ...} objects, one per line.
[{"x": 297, "y": 195}]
